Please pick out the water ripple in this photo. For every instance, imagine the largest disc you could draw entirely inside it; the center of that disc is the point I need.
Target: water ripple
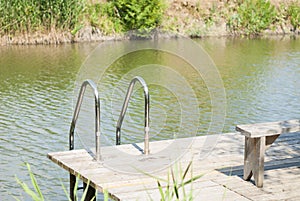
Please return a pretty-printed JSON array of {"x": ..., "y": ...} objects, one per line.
[{"x": 261, "y": 79}]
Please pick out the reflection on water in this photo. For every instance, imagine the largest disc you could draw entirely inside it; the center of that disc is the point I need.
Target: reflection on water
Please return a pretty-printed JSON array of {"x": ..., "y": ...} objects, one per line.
[
  {"x": 170, "y": 99},
  {"x": 35, "y": 111},
  {"x": 261, "y": 79}
]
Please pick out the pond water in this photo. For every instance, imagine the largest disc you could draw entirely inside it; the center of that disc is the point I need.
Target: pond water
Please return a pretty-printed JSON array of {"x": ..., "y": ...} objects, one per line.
[{"x": 39, "y": 85}]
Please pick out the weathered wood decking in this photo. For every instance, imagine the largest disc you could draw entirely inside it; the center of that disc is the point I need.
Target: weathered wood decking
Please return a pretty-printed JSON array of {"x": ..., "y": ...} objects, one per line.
[{"x": 222, "y": 169}]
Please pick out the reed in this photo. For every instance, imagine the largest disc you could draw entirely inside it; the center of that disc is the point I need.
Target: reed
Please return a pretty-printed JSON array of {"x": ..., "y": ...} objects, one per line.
[
  {"x": 178, "y": 185},
  {"x": 26, "y": 16},
  {"x": 37, "y": 194}
]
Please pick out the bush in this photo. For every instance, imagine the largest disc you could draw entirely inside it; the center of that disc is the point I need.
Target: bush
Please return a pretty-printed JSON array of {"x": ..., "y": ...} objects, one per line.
[
  {"x": 252, "y": 16},
  {"x": 102, "y": 16},
  {"x": 141, "y": 15},
  {"x": 293, "y": 12}
]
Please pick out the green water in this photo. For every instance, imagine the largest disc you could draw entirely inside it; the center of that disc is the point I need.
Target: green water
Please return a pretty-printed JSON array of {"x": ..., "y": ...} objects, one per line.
[{"x": 39, "y": 85}]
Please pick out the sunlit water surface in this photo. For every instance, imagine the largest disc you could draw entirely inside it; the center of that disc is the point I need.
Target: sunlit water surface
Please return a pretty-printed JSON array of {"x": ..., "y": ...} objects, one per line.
[{"x": 38, "y": 91}]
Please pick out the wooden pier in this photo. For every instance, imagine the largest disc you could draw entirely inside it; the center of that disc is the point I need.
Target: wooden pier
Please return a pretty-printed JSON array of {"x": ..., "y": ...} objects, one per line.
[{"x": 222, "y": 169}]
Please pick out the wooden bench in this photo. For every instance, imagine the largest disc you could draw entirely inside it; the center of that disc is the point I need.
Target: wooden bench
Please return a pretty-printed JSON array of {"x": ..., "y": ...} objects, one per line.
[{"x": 259, "y": 137}]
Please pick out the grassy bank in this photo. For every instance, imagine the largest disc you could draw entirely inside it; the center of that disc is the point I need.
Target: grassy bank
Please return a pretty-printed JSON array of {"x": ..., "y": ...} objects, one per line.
[
  {"x": 32, "y": 22},
  {"x": 249, "y": 17}
]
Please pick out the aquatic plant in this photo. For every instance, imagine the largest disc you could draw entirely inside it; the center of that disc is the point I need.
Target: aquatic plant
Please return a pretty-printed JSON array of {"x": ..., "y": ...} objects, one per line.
[
  {"x": 175, "y": 187},
  {"x": 37, "y": 195},
  {"x": 176, "y": 183}
]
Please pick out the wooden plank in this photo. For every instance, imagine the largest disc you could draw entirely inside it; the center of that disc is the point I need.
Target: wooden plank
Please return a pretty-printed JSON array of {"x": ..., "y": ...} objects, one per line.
[
  {"x": 214, "y": 185},
  {"x": 269, "y": 128},
  {"x": 198, "y": 190},
  {"x": 239, "y": 186}
]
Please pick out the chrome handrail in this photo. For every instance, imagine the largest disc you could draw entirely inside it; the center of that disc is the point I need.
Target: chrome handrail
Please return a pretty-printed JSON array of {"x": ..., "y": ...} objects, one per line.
[
  {"x": 97, "y": 117},
  {"x": 124, "y": 108}
]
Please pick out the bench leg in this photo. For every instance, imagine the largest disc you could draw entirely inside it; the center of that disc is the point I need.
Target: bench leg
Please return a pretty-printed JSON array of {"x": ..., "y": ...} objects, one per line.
[
  {"x": 254, "y": 159},
  {"x": 248, "y": 158}
]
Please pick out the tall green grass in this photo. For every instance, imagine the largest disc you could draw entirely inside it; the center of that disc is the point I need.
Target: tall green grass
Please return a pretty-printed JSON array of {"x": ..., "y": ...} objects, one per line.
[
  {"x": 172, "y": 188},
  {"x": 37, "y": 195},
  {"x": 249, "y": 17},
  {"x": 175, "y": 187},
  {"x": 111, "y": 16},
  {"x": 43, "y": 15}
]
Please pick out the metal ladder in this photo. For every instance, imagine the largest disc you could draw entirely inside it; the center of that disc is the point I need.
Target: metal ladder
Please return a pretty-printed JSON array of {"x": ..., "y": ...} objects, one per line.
[
  {"x": 121, "y": 117},
  {"x": 97, "y": 117},
  {"x": 125, "y": 106},
  {"x": 91, "y": 190}
]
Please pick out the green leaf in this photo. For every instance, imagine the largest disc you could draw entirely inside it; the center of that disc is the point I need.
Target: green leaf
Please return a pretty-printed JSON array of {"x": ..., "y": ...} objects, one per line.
[
  {"x": 175, "y": 184},
  {"x": 106, "y": 195},
  {"x": 76, "y": 187},
  {"x": 66, "y": 192},
  {"x": 85, "y": 191},
  {"x": 34, "y": 182},
  {"x": 27, "y": 190},
  {"x": 186, "y": 170},
  {"x": 161, "y": 191},
  {"x": 193, "y": 179}
]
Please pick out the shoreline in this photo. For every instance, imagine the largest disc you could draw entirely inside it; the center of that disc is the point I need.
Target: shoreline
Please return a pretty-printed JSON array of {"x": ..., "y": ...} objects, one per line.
[
  {"x": 182, "y": 17},
  {"x": 88, "y": 36}
]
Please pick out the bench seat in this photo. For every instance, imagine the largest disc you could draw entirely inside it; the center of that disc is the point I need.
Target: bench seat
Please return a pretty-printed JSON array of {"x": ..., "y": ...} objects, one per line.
[
  {"x": 259, "y": 137},
  {"x": 269, "y": 128}
]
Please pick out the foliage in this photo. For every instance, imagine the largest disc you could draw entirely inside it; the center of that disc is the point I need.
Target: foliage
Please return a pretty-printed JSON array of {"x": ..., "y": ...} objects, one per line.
[
  {"x": 115, "y": 16},
  {"x": 252, "y": 16},
  {"x": 102, "y": 16},
  {"x": 293, "y": 12},
  {"x": 75, "y": 192},
  {"x": 175, "y": 188},
  {"x": 141, "y": 15},
  {"x": 33, "y": 15},
  {"x": 211, "y": 17},
  {"x": 37, "y": 195},
  {"x": 248, "y": 17}
]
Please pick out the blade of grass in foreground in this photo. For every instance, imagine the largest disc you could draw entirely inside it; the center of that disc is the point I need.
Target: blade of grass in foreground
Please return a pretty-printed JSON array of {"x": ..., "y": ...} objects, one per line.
[
  {"x": 34, "y": 182},
  {"x": 36, "y": 196}
]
